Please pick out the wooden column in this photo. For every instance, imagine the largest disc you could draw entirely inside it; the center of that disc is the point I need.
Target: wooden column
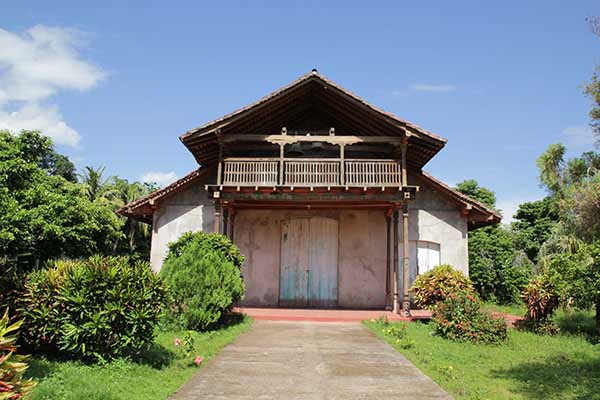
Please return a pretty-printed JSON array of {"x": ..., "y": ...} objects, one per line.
[
  {"x": 342, "y": 166},
  {"x": 396, "y": 307},
  {"x": 217, "y": 227},
  {"x": 281, "y": 155},
  {"x": 226, "y": 221},
  {"x": 232, "y": 213},
  {"x": 220, "y": 165},
  {"x": 405, "y": 263},
  {"x": 388, "y": 260},
  {"x": 403, "y": 148}
]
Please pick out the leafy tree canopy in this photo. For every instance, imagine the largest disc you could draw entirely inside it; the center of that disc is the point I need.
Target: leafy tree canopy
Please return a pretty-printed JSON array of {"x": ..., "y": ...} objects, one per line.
[
  {"x": 471, "y": 188},
  {"x": 44, "y": 214}
]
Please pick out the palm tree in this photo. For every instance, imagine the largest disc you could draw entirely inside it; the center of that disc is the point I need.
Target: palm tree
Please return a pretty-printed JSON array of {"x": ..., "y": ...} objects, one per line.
[
  {"x": 95, "y": 186},
  {"x": 124, "y": 193}
]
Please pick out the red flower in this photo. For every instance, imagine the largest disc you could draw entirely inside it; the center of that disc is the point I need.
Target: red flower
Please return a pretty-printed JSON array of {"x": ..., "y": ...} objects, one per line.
[{"x": 198, "y": 360}]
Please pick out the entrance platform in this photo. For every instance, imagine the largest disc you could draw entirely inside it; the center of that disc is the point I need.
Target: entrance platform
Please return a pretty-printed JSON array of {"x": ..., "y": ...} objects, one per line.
[{"x": 327, "y": 315}]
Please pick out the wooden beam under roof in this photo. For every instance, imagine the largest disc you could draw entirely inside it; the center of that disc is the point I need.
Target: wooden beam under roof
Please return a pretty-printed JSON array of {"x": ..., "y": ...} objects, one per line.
[{"x": 336, "y": 140}]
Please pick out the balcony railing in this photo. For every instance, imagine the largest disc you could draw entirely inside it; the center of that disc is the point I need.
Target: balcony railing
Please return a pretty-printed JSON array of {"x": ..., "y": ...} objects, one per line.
[{"x": 310, "y": 172}]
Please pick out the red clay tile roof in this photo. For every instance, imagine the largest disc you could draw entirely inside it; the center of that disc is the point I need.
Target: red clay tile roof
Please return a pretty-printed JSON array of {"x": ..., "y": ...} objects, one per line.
[{"x": 142, "y": 209}]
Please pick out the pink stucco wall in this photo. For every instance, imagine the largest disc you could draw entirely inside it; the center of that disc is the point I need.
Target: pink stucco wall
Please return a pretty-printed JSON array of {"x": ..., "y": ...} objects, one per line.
[{"x": 361, "y": 257}]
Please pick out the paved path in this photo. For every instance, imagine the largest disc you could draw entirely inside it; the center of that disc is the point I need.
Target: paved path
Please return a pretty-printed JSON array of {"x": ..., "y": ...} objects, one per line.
[{"x": 309, "y": 360}]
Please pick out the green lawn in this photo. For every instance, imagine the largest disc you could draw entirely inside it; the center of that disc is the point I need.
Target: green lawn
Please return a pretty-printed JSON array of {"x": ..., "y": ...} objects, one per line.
[
  {"x": 566, "y": 366},
  {"x": 513, "y": 309},
  {"x": 156, "y": 376}
]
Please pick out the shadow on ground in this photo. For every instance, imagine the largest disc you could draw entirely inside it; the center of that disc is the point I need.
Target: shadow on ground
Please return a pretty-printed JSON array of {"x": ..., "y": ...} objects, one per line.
[{"x": 573, "y": 376}]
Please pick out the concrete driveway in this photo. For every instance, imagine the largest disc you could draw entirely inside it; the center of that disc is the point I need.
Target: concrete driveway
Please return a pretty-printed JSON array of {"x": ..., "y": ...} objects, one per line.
[{"x": 309, "y": 360}]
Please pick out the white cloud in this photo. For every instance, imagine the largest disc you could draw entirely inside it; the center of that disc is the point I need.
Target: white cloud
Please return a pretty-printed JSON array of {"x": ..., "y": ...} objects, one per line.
[
  {"x": 33, "y": 116},
  {"x": 160, "y": 178},
  {"x": 36, "y": 65},
  {"x": 578, "y": 136},
  {"x": 427, "y": 87}
]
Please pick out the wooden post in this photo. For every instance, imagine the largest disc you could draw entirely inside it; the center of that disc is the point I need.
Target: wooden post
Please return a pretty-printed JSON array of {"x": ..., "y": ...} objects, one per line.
[
  {"x": 217, "y": 227},
  {"x": 396, "y": 307},
  {"x": 342, "y": 166},
  {"x": 226, "y": 221},
  {"x": 232, "y": 213},
  {"x": 403, "y": 148},
  {"x": 388, "y": 261},
  {"x": 220, "y": 165},
  {"x": 405, "y": 264},
  {"x": 281, "y": 155}
]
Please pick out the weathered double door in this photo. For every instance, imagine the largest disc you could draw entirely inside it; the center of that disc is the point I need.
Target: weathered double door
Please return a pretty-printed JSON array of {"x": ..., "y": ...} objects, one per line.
[{"x": 309, "y": 262}]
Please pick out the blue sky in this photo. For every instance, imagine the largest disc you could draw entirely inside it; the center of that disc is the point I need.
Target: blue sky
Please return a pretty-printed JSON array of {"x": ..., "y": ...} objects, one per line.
[{"x": 117, "y": 84}]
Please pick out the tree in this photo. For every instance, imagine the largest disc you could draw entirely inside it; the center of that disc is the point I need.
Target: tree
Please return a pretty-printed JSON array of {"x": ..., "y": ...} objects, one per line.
[
  {"x": 535, "y": 222},
  {"x": 577, "y": 277},
  {"x": 471, "y": 188},
  {"x": 96, "y": 187},
  {"x": 497, "y": 270},
  {"x": 137, "y": 233},
  {"x": 44, "y": 216}
]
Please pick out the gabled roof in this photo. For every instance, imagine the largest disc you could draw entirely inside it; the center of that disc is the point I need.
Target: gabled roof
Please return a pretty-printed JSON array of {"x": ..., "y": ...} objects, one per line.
[
  {"x": 312, "y": 94},
  {"x": 478, "y": 213},
  {"x": 143, "y": 208}
]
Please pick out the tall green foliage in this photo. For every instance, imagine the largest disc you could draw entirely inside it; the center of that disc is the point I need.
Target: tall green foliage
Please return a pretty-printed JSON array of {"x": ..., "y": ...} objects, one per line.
[
  {"x": 202, "y": 272},
  {"x": 496, "y": 267},
  {"x": 534, "y": 224},
  {"x": 45, "y": 216},
  {"x": 97, "y": 308}
]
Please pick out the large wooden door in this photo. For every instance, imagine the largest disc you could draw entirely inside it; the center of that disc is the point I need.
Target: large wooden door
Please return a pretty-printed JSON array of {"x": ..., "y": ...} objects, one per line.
[
  {"x": 309, "y": 256},
  {"x": 323, "y": 271},
  {"x": 295, "y": 260}
]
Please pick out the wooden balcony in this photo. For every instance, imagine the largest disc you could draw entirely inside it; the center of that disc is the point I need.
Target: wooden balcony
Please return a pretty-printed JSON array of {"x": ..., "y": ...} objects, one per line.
[{"x": 310, "y": 172}]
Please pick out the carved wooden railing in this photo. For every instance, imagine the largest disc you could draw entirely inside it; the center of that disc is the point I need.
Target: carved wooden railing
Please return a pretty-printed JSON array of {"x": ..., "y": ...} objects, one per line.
[
  {"x": 310, "y": 172},
  {"x": 250, "y": 172},
  {"x": 373, "y": 173}
]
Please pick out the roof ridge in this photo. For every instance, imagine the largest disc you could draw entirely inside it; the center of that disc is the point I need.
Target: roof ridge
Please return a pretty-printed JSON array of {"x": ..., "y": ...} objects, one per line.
[{"x": 314, "y": 74}]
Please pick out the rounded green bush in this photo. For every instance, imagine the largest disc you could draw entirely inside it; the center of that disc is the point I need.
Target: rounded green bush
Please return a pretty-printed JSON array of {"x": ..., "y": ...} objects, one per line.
[
  {"x": 98, "y": 308},
  {"x": 435, "y": 285},
  {"x": 203, "y": 275},
  {"x": 459, "y": 317}
]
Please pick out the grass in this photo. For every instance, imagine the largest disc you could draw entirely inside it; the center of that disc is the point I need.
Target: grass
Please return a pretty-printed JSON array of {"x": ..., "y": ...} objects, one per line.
[
  {"x": 566, "y": 366},
  {"x": 157, "y": 375},
  {"x": 518, "y": 309}
]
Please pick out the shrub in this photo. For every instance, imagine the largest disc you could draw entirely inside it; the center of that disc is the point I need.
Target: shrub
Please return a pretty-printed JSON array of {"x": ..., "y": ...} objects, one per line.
[
  {"x": 460, "y": 318},
  {"x": 542, "y": 300},
  {"x": 12, "y": 366},
  {"x": 435, "y": 285},
  {"x": 207, "y": 242},
  {"x": 204, "y": 279},
  {"x": 92, "y": 309}
]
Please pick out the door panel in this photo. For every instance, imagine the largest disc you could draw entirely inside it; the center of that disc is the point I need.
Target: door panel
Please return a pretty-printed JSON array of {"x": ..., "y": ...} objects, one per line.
[
  {"x": 323, "y": 271},
  {"x": 295, "y": 260}
]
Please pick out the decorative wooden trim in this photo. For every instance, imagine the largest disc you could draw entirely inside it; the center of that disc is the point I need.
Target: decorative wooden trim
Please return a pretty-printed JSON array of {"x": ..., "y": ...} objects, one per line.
[
  {"x": 331, "y": 139},
  {"x": 406, "y": 263}
]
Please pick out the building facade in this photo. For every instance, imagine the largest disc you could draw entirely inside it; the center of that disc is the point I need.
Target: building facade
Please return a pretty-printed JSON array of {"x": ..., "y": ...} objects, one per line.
[{"x": 322, "y": 192}]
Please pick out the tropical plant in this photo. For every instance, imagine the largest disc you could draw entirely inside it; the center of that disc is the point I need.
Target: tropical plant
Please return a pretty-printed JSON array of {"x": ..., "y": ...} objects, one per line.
[
  {"x": 203, "y": 275},
  {"x": 541, "y": 299},
  {"x": 459, "y": 317},
  {"x": 12, "y": 366},
  {"x": 98, "y": 308},
  {"x": 437, "y": 284},
  {"x": 96, "y": 187},
  {"x": 136, "y": 233}
]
